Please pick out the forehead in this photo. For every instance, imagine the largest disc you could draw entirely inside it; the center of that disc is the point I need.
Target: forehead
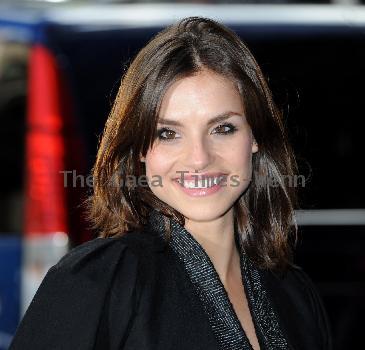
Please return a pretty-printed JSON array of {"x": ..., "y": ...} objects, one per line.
[{"x": 203, "y": 94}]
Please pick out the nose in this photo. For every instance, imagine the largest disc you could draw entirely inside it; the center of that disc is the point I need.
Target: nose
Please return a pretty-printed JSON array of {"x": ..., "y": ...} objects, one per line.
[{"x": 198, "y": 154}]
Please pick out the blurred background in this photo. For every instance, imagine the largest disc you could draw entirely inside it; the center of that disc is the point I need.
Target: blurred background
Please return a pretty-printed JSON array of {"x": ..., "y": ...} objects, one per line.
[{"x": 60, "y": 68}]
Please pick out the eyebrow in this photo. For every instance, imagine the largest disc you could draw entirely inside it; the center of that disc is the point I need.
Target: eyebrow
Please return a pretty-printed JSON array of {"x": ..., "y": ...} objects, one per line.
[{"x": 216, "y": 119}]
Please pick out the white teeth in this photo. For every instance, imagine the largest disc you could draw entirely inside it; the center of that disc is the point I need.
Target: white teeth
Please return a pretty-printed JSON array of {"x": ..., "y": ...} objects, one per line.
[{"x": 208, "y": 182}]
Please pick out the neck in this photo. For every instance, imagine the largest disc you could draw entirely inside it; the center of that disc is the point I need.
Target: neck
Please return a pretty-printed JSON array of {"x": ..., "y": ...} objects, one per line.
[{"x": 217, "y": 239}]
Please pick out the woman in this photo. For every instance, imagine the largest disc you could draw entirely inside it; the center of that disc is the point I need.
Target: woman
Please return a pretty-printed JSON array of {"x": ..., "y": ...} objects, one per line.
[{"x": 196, "y": 221}]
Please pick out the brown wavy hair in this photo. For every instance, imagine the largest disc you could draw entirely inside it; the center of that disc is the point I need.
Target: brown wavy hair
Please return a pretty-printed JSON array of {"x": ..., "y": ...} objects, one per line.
[{"x": 264, "y": 213}]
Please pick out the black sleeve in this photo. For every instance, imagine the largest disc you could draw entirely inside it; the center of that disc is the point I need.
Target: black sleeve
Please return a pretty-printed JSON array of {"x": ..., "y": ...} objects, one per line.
[
  {"x": 75, "y": 297},
  {"x": 301, "y": 312},
  {"x": 319, "y": 312}
]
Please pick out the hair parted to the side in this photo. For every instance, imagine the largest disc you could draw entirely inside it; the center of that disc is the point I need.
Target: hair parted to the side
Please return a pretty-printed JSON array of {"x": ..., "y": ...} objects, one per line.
[{"x": 264, "y": 214}]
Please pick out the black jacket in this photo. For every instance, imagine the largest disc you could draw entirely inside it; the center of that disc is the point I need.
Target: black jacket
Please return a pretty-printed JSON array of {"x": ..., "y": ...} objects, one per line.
[{"x": 130, "y": 293}]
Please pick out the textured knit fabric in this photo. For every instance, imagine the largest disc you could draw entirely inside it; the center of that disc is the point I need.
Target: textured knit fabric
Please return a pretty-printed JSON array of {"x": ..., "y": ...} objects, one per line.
[{"x": 222, "y": 317}]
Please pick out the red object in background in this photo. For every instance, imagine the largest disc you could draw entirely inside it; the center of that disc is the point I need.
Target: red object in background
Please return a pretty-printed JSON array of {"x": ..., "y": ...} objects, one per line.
[
  {"x": 53, "y": 146},
  {"x": 45, "y": 202}
]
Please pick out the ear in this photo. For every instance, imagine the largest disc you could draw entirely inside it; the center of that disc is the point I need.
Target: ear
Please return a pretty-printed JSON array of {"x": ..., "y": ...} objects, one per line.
[
  {"x": 142, "y": 159},
  {"x": 255, "y": 146}
]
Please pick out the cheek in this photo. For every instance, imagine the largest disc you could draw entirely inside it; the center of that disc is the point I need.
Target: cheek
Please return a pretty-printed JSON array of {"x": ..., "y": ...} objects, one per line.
[
  {"x": 157, "y": 163},
  {"x": 242, "y": 164},
  {"x": 239, "y": 152}
]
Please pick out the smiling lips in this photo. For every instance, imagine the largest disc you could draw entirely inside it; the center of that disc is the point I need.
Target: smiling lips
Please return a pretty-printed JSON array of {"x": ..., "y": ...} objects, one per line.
[{"x": 200, "y": 184}]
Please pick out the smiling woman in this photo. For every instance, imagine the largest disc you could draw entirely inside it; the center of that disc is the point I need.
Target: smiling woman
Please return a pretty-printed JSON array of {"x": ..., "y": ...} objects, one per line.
[
  {"x": 200, "y": 142},
  {"x": 202, "y": 258},
  {"x": 187, "y": 75}
]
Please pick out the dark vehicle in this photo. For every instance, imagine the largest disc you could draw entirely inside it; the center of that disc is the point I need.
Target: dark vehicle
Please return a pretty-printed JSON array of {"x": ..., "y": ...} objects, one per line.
[{"x": 60, "y": 67}]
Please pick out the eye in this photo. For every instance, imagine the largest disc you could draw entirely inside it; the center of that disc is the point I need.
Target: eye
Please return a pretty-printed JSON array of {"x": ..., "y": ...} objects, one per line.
[
  {"x": 165, "y": 134},
  {"x": 226, "y": 128}
]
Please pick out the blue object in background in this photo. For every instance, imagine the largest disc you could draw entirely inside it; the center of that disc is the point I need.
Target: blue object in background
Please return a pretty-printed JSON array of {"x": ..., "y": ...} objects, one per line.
[{"x": 10, "y": 276}]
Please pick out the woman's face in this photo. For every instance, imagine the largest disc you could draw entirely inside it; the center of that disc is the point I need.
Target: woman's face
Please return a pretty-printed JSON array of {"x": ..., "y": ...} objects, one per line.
[{"x": 190, "y": 138}]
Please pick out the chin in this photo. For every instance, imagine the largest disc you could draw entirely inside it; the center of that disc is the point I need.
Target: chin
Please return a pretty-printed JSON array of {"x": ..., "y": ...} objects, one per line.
[{"x": 202, "y": 213}]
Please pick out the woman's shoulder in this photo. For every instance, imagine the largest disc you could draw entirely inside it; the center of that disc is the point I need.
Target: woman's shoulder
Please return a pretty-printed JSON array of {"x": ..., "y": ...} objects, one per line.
[
  {"x": 295, "y": 286},
  {"x": 297, "y": 299},
  {"x": 103, "y": 251},
  {"x": 295, "y": 282},
  {"x": 102, "y": 263},
  {"x": 69, "y": 303}
]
